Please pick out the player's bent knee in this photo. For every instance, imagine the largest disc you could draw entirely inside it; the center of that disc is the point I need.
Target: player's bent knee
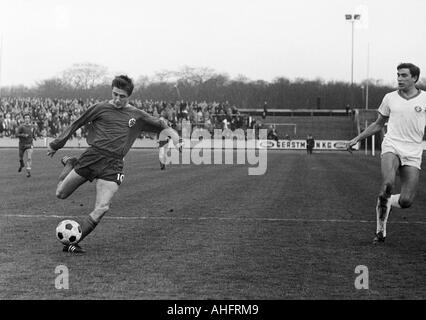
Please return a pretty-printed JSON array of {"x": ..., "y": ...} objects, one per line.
[
  {"x": 405, "y": 202},
  {"x": 60, "y": 194}
]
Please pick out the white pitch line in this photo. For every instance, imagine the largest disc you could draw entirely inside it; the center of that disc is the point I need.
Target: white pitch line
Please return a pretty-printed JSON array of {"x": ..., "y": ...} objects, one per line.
[{"x": 212, "y": 218}]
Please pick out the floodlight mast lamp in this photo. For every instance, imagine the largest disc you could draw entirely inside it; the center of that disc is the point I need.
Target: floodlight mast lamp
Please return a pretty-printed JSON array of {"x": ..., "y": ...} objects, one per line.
[{"x": 352, "y": 18}]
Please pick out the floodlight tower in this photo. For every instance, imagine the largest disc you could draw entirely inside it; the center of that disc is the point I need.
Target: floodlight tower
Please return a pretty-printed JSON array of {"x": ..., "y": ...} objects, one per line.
[{"x": 352, "y": 18}]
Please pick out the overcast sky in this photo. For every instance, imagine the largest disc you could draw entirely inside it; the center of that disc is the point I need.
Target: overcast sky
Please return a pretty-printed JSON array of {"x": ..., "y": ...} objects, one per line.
[{"x": 261, "y": 39}]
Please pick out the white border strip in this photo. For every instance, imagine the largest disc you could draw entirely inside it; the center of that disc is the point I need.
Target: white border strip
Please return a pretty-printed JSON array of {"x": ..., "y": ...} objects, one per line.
[{"x": 211, "y": 218}]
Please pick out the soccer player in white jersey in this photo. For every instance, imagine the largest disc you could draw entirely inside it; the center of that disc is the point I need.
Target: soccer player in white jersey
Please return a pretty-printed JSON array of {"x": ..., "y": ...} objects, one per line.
[
  {"x": 163, "y": 142},
  {"x": 164, "y": 145},
  {"x": 405, "y": 112}
]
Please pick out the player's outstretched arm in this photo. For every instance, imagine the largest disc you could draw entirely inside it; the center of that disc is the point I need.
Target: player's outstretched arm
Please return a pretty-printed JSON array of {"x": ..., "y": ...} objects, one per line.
[
  {"x": 50, "y": 152},
  {"x": 373, "y": 128},
  {"x": 89, "y": 115},
  {"x": 351, "y": 144},
  {"x": 154, "y": 124}
]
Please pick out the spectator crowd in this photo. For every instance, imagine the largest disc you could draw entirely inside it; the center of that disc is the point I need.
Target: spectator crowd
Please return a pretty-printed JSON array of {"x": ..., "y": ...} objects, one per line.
[{"x": 51, "y": 116}]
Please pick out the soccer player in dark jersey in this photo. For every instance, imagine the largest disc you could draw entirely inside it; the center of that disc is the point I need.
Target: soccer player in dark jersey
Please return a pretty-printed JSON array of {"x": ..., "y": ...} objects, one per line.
[
  {"x": 113, "y": 126},
  {"x": 26, "y": 135}
]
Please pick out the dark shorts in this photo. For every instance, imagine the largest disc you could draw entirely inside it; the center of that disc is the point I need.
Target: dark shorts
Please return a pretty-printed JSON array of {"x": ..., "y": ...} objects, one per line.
[
  {"x": 95, "y": 164},
  {"x": 22, "y": 149}
]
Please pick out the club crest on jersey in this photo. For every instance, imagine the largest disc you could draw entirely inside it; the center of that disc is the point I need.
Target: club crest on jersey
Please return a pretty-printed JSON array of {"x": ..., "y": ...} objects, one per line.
[
  {"x": 418, "y": 108},
  {"x": 132, "y": 122}
]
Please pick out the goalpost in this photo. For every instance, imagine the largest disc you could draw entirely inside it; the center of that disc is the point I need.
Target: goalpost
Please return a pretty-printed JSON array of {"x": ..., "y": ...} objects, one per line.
[
  {"x": 280, "y": 131},
  {"x": 364, "y": 117},
  {"x": 373, "y": 142}
]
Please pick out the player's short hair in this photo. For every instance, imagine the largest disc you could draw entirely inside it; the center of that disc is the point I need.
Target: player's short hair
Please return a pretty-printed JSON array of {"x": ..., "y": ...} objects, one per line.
[
  {"x": 26, "y": 114},
  {"x": 123, "y": 82},
  {"x": 414, "y": 70}
]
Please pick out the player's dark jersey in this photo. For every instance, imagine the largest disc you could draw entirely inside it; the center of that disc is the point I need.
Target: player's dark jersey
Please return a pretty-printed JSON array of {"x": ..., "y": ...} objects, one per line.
[
  {"x": 111, "y": 129},
  {"x": 26, "y": 135}
]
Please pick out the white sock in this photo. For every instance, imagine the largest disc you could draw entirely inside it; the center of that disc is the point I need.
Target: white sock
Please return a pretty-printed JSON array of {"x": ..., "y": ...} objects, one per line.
[
  {"x": 162, "y": 155},
  {"x": 379, "y": 225},
  {"x": 394, "y": 200},
  {"x": 394, "y": 203}
]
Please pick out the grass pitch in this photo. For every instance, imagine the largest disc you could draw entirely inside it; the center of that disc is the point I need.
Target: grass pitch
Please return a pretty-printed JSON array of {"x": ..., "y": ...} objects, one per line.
[{"x": 213, "y": 232}]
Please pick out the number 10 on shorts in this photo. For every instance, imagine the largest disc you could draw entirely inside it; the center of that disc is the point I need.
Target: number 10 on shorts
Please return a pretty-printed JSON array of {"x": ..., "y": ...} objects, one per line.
[{"x": 120, "y": 177}]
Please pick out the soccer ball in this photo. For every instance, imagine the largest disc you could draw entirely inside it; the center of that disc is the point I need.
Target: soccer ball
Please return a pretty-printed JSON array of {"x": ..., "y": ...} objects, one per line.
[{"x": 68, "y": 232}]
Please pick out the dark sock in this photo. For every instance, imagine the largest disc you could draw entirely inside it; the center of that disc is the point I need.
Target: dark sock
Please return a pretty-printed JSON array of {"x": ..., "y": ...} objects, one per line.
[
  {"x": 87, "y": 226},
  {"x": 21, "y": 165}
]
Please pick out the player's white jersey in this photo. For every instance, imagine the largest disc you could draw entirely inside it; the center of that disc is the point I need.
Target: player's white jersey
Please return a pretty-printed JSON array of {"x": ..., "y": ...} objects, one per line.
[{"x": 407, "y": 117}]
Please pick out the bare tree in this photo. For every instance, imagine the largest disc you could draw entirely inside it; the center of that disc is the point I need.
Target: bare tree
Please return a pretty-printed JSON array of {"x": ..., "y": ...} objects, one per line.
[
  {"x": 85, "y": 76},
  {"x": 195, "y": 76},
  {"x": 165, "y": 76},
  {"x": 52, "y": 88},
  {"x": 143, "y": 81}
]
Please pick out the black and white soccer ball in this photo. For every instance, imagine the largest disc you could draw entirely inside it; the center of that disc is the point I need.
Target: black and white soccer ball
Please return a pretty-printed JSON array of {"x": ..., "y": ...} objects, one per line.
[{"x": 68, "y": 232}]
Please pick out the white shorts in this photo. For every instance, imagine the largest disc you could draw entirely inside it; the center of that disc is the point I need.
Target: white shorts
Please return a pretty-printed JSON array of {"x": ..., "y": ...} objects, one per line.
[{"x": 409, "y": 154}]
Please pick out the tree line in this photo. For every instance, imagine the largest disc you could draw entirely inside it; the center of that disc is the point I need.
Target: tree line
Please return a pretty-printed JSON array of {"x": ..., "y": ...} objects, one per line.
[{"x": 87, "y": 80}]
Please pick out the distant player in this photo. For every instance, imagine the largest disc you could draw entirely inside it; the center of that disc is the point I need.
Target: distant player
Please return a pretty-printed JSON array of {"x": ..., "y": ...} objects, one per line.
[
  {"x": 163, "y": 142},
  {"x": 272, "y": 133},
  {"x": 162, "y": 153},
  {"x": 163, "y": 145},
  {"x": 265, "y": 110},
  {"x": 26, "y": 135},
  {"x": 113, "y": 126},
  {"x": 78, "y": 136},
  {"x": 310, "y": 143},
  {"x": 405, "y": 112}
]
